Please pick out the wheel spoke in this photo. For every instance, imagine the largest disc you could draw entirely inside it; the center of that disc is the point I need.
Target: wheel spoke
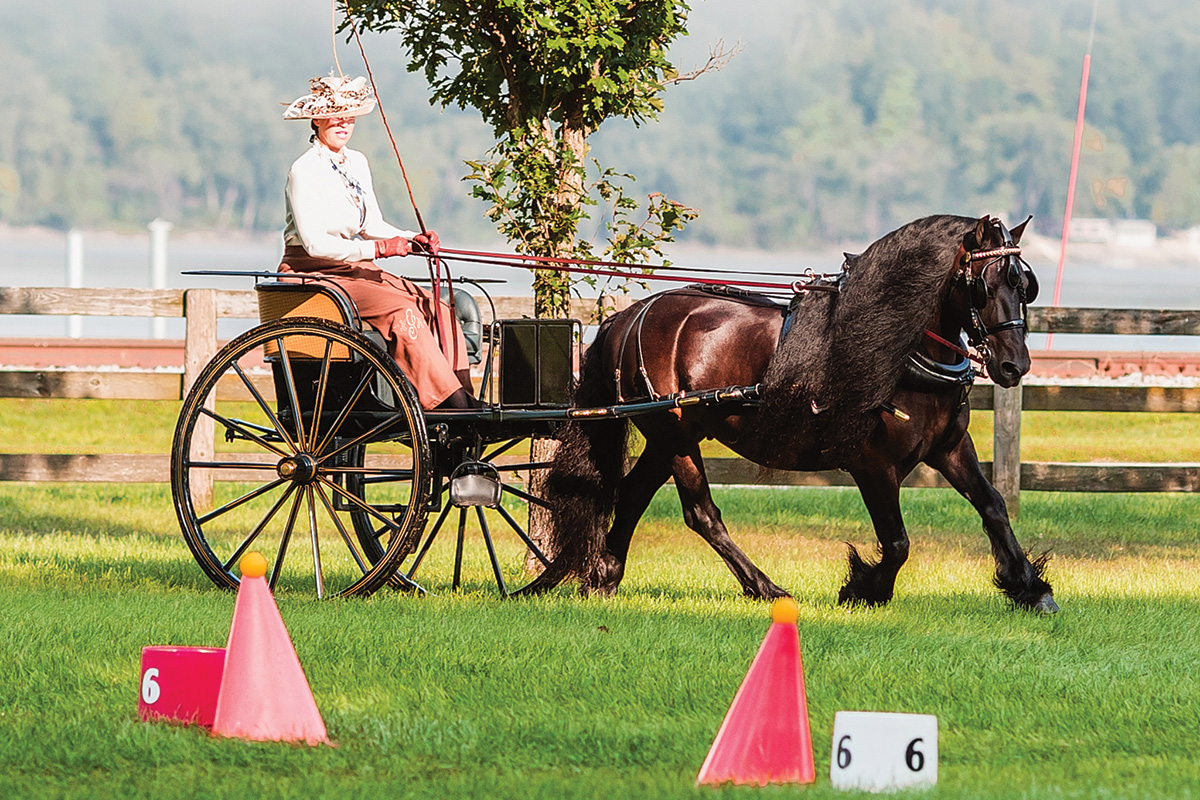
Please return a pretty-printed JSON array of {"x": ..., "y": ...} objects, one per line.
[
  {"x": 318, "y": 573},
  {"x": 512, "y": 523},
  {"x": 246, "y": 465},
  {"x": 266, "y": 409},
  {"x": 526, "y": 496},
  {"x": 363, "y": 383},
  {"x": 491, "y": 549},
  {"x": 289, "y": 381},
  {"x": 380, "y": 474},
  {"x": 356, "y": 500},
  {"x": 504, "y": 448},
  {"x": 342, "y": 529},
  {"x": 437, "y": 526},
  {"x": 241, "y": 548},
  {"x": 247, "y": 497},
  {"x": 528, "y": 465},
  {"x": 458, "y": 548},
  {"x": 322, "y": 386},
  {"x": 283, "y": 542},
  {"x": 365, "y": 437},
  {"x": 249, "y": 434}
]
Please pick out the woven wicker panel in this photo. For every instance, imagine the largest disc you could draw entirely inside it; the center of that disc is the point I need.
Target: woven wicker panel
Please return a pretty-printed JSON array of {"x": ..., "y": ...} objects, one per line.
[{"x": 277, "y": 305}]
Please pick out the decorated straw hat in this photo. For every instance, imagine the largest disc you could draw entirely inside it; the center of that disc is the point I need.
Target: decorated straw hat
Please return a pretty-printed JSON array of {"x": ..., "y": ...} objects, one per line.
[{"x": 334, "y": 96}]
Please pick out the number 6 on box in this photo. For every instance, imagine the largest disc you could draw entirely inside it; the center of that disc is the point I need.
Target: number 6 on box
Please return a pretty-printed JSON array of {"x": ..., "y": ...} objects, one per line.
[{"x": 883, "y": 752}]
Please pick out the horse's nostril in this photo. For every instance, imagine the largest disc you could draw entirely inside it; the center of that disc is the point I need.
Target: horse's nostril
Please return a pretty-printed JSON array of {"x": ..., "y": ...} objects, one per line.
[{"x": 1010, "y": 372}]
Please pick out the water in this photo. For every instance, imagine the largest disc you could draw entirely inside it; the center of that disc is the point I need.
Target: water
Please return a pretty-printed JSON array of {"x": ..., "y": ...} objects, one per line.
[{"x": 1093, "y": 278}]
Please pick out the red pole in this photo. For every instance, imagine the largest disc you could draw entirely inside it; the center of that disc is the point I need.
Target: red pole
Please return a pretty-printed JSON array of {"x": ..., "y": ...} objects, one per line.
[{"x": 1066, "y": 229}]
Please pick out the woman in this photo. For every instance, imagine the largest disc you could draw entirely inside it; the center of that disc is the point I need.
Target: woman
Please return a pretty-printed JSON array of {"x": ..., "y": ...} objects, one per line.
[{"x": 334, "y": 227}]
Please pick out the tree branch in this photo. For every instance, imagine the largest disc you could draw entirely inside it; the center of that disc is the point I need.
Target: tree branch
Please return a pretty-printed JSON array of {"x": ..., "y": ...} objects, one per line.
[{"x": 718, "y": 57}]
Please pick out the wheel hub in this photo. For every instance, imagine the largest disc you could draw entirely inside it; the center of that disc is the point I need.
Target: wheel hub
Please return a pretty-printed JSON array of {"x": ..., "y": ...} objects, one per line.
[{"x": 300, "y": 468}]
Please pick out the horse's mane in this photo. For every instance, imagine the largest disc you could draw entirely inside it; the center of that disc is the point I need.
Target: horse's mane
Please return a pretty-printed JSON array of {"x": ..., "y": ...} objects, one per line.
[{"x": 845, "y": 353}]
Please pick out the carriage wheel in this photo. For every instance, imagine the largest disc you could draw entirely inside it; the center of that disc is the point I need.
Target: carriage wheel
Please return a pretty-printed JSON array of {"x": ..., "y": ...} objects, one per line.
[
  {"x": 277, "y": 480},
  {"x": 481, "y": 530}
]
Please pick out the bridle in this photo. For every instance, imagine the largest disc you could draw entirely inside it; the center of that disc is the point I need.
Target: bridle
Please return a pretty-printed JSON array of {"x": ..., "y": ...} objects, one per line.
[
  {"x": 1018, "y": 275},
  {"x": 973, "y": 283}
]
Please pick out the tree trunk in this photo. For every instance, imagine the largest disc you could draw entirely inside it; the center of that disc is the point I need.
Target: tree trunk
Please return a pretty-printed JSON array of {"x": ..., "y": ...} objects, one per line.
[{"x": 552, "y": 295}]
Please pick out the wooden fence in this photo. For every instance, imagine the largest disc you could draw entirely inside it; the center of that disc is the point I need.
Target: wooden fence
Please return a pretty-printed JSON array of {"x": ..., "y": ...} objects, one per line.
[{"x": 202, "y": 308}]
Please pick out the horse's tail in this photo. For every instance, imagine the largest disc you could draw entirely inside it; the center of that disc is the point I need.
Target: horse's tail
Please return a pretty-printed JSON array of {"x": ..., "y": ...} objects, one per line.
[{"x": 581, "y": 486}]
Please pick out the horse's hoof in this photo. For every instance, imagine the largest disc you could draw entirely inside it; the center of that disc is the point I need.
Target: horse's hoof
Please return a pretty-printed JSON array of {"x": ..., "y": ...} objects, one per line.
[
  {"x": 850, "y": 603},
  {"x": 769, "y": 592},
  {"x": 1045, "y": 605}
]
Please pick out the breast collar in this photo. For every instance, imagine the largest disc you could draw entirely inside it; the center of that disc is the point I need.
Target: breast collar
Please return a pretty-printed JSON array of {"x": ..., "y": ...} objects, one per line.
[{"x": 924, "y": 374}]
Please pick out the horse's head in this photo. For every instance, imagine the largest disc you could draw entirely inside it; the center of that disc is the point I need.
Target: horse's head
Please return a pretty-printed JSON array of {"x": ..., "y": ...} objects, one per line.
[{"x": 994, "y": 286}]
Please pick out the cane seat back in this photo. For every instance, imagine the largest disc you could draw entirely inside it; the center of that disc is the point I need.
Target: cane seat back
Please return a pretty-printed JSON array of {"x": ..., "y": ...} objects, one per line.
[{"x": 281, "y": 299}]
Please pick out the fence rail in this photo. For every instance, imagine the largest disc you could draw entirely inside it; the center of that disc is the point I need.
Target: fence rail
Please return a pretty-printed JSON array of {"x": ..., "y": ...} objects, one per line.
[{"x": 202, "y": 308}]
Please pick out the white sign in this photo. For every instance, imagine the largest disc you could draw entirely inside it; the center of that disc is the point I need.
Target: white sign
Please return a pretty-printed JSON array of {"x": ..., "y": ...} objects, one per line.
[{"x": 880, "y": 752}]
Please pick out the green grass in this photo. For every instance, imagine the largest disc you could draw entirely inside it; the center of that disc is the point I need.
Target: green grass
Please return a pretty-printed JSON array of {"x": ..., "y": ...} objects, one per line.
[
  {"x": 468, "y": 696},
  {"x": 463, "y": 695}
]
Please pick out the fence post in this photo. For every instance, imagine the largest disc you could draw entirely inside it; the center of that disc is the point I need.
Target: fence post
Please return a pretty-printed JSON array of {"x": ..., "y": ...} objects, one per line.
[
  {"x": 1006, "y": 446},
  {"x": 159, "y": 231},
  {"x": 75, "y": 277},
  {"x": 199, "y": 346}
]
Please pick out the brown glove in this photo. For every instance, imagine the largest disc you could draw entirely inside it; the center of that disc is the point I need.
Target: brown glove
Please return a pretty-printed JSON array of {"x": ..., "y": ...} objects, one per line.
[
  {"x": 427, "y": 242},
  {"x": 396, "y": 246}
]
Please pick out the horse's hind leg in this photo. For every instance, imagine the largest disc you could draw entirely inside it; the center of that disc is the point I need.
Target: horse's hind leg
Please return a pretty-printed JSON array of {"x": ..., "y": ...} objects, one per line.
[
  {"x": 1020, "y": 579},
  {"x": 634, "y": 494},
  {"x": 702, "y": 515},
  {"x": 637, "y": 489},
  {"x": 868, "y": 583}
]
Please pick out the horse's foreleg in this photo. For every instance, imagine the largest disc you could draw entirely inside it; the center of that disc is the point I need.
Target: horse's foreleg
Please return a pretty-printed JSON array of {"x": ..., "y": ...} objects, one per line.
[
  {"x": 1020, "y": 579},
  {"x": 872, "y": 584},
  {"x": 634, "y": 494},
  {"x": 702, "y": 515}
]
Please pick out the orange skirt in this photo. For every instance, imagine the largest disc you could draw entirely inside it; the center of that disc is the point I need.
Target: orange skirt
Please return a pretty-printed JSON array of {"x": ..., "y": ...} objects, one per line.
[{"x": 404, "y": 314}]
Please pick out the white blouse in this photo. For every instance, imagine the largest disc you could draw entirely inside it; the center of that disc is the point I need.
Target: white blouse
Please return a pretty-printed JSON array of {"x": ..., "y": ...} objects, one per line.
[{"x": 331, "y": 207}]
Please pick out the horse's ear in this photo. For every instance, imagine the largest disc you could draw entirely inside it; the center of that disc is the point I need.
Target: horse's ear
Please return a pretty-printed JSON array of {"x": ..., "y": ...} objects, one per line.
[
  {"x": 980, "y": 232},
  {"x": 1020, "y": 229}
]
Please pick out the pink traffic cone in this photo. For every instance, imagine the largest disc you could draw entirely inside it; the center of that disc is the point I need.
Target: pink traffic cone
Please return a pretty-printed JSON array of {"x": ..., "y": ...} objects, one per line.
[
  {"x": 264, "y": 695},
  {"x": 765, "y": 737}
]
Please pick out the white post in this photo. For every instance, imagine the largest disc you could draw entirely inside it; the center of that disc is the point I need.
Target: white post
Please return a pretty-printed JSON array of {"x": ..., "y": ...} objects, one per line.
[
  {"x": 75, "y": 277},
  {"x": 159, "y": 229}
]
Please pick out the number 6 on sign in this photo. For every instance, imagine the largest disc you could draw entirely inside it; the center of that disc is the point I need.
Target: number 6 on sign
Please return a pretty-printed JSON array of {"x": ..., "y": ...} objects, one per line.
[{"x": 883, "y": 752}]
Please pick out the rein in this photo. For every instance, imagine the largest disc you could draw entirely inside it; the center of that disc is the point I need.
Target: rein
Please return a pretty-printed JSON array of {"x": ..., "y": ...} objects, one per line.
[
  {"x": 957, "y": 349},
  {"x": 616, "y": 269}
]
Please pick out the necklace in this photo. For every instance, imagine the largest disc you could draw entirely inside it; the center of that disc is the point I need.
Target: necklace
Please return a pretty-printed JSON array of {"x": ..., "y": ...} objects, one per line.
[{"x": 353, "y": 187}]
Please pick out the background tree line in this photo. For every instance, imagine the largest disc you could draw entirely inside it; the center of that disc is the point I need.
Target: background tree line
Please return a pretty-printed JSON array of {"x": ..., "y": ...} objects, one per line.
[{"x": 838, "y": 120}]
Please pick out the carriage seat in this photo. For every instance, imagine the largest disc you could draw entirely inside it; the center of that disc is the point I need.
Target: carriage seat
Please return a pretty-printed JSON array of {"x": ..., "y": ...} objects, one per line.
[{"x": 280, "y": 299}]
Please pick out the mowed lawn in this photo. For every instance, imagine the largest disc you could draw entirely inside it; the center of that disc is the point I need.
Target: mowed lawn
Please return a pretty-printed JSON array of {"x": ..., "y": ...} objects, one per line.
[{"x": 464, "y": 695}]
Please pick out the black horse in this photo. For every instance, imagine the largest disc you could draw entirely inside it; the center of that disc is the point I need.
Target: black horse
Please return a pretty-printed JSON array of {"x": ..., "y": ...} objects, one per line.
[{"x": 866, "y": 376}]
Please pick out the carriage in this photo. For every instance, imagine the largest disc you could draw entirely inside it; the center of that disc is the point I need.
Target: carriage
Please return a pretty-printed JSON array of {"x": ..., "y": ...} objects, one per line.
[
  {"x": 324, "y": 460},
  {"x": 321, "y": 436}
]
